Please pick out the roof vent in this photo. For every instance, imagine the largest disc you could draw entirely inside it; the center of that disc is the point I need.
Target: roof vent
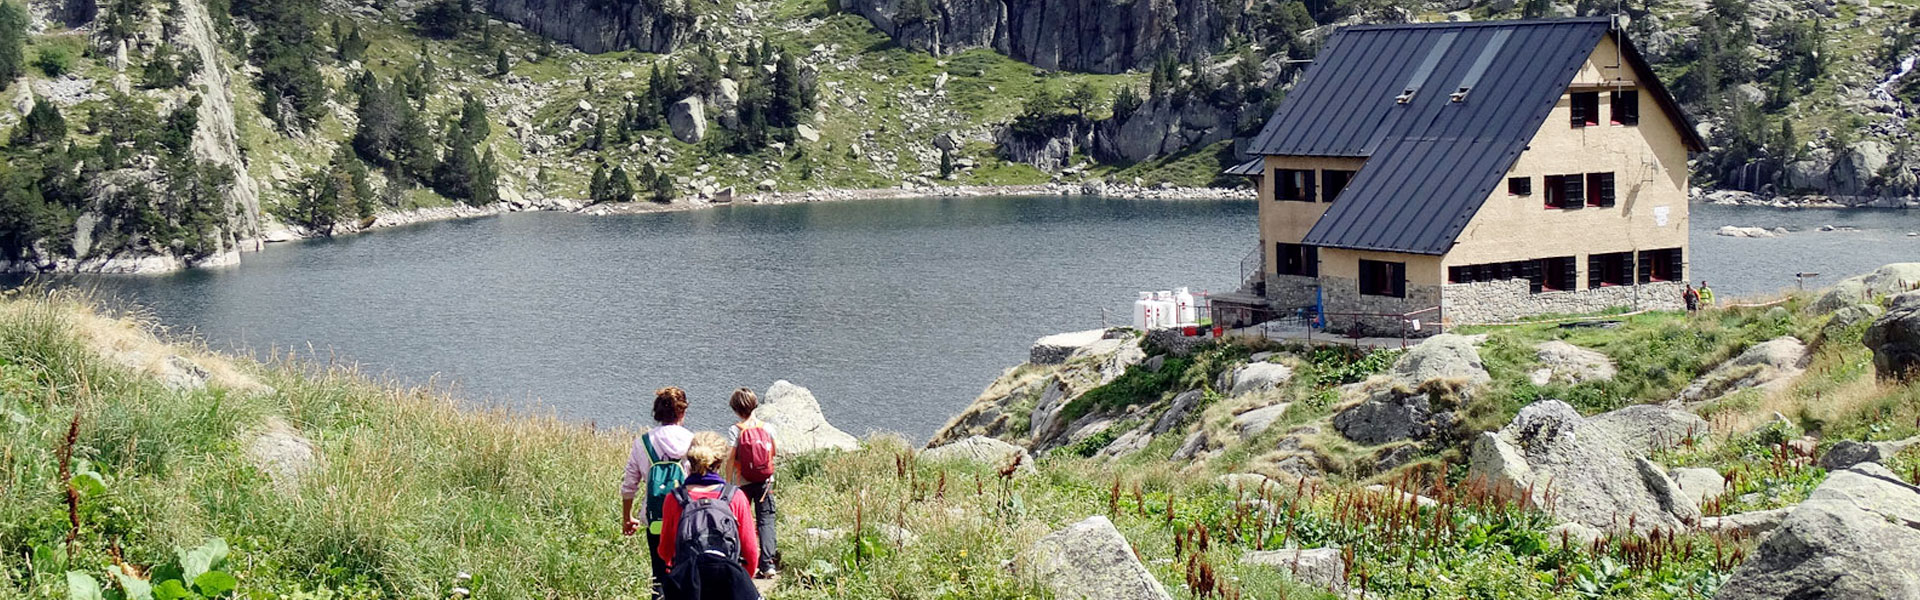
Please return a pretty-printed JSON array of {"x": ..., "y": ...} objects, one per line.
[
  {"x": 1405, "y": 97},
  {"x": 1461, "y": 95}
]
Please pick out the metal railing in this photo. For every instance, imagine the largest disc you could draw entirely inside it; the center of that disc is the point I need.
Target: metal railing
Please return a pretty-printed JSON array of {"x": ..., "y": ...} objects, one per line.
[{"x": 1253, "y": 267}]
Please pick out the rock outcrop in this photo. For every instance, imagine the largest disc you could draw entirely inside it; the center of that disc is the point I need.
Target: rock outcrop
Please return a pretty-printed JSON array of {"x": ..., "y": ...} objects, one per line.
[
  {"x": 1055, "y": 349},
  {"x": 657, "y": 26},
  {"x": 1259, "y": 376},
  {"x": 1089, "y": 560},
  {"x": 1651, "y": 427},
  {"x": 1699, "y": 485},
  {"x": 1746, "y": 524},
  {"x": 1388, "y": 416},
  {"x": 1585, "y": 473},
  {"x": 688, "y": 120},
  {"x": 216, "y": 138},
  {"x": 1886, "y": 281},
  {"x": 1846, "y": 454},
  {"x": 1853, "y": 537},
  {"x": 1895, "y": 338},
  {"x": 1768, "y": 365},
  {"x": 1399, "y": 405},
  {"x": 796, "y": 416},
  {"x": 1570, "y": 364},
  {"x": 981, "y": 450},
  {"x": 1444, "y": 356},
  {"x": 283, "y": 454},
  {"x": 1322, "y": 568},
  {"x": 1100, "y": 36}
]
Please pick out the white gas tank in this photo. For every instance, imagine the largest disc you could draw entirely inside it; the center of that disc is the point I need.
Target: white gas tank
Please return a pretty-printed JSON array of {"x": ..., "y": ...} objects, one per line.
[
  {"x": 1183, "y": 309},
  {"x": 1143, "y": 308},
  {"x": 1165, "y": 298}
]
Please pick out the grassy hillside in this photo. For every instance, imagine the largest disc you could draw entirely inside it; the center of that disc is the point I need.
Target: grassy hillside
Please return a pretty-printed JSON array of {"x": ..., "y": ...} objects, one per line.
[{"x": 407, "y": 489}]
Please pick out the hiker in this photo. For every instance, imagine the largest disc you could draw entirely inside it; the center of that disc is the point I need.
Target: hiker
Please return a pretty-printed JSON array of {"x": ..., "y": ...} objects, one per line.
[
  {"x": 1706, "y": 294},
  {"x": 710, "y": 545},
  {"x": 754, "y": 447},
  {"x": 655, "y": 462},
  {"x": 1692, "y": 298}
]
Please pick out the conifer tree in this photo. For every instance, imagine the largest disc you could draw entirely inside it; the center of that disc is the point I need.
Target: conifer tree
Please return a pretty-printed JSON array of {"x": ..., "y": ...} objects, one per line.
[
  {"x": 619, "y": 185},
  {"x": 13, "y": 39},
  {"x": 597, "y": 189}
]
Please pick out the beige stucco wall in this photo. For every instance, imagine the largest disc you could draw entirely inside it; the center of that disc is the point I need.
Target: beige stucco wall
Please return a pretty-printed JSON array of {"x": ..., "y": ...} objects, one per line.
[
  {"x": 1289, "y": 221},
  {"x": 1422, "y": 269},
  {"x": 1649, "y": 162}
]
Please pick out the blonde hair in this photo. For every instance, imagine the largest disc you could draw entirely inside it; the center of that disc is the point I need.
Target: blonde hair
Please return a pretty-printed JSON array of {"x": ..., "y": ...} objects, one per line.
[{"x": 706, "y": 453}]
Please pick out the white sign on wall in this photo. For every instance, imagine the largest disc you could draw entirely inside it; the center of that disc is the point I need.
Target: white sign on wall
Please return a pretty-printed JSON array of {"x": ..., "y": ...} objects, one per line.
[{"x": 1660, "y": 216}]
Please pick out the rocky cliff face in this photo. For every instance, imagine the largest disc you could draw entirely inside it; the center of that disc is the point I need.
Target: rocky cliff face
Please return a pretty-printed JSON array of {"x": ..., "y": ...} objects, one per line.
[
  {"x": 217, "y": 138},
  {"x": 603, "y": 25},
  {"x": 1099, "y": 36}
]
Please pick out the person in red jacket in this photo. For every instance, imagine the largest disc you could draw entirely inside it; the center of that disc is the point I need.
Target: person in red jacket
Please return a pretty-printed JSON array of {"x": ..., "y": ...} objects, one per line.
[{"x": 694, "y": 524}]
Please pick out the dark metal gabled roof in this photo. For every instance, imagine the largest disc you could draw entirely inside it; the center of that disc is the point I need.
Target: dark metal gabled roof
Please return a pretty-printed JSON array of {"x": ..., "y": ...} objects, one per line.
[
  {"x": 1440, "y": 110},
  {"x": 1250, "y": 168}
]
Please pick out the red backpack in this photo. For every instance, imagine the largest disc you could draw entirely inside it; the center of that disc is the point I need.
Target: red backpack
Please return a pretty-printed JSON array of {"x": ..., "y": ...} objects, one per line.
[{"x": 753, "y": 455}]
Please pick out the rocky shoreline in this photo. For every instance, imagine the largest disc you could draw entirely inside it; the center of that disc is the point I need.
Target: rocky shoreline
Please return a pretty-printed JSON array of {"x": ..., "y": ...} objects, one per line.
[
  {"x": 158, "y": 264},
  {"x": 1739, "y": 198}
]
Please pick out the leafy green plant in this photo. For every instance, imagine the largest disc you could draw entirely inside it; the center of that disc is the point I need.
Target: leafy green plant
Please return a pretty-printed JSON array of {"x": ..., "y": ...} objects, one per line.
[{"x": 193, "y": 575}]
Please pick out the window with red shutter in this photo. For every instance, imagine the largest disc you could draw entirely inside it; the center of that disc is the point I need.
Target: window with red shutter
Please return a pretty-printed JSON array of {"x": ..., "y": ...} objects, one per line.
[
  {"x": 1586, "y": 108},
  {"x": 1599, "y": 189}
]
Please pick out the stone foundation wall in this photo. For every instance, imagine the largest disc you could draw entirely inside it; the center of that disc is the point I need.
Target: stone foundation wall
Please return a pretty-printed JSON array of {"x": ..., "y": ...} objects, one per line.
[
  {"x": 1290, "y": 291},
  {"x": 1500, "y": 301},
  {"x": 1343, "y": 296}
]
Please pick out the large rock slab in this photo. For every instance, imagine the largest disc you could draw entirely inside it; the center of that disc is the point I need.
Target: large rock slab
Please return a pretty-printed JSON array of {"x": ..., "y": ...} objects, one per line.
[
  {"x": 1747, "y": 524},
  {"x": 1318, "y": 567},
  {"x": 1252, "y": 423},
  {"x": 1386, "y": 417},
  {"x": 1895, "y": 338},
  {"x": 1259, "y": 377},
  {"x": 1444, "y": 356},
  {"x": 1699, "y": 485},
  {"x": 1769, "y": 365},
  {"x": 803, "y": 427},
  {"x": 1056, "y": 348},
  {"x": 1591, "y": 475},
  {"x": 1651, "y": 427},
  {"x": 1089, "y": 560},
  {"x": 1848, "y": 453},
  {"x": 1570, "y": 364},
  {"x": 1854, "y": 537},
  {"x": 1885, "y": 281},
  {"x": 982, "y": 450},
  {"x": 687, "y": 119}
]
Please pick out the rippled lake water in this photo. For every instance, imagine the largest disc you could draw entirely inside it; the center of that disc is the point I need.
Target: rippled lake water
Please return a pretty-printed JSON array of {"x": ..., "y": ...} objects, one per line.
[{"x": 896, "y": 313}]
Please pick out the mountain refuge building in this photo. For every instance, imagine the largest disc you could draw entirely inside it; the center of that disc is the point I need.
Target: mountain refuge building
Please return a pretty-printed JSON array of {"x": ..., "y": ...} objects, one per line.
[{"x": 1473, "y": 173}]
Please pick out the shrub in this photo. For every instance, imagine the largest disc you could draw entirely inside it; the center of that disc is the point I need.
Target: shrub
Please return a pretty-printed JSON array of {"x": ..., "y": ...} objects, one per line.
[{"x": 54, "y": 61}]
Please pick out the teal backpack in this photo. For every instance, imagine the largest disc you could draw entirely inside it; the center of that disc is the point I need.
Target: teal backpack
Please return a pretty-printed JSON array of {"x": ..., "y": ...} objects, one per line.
[{"x": 663, "y": 478}]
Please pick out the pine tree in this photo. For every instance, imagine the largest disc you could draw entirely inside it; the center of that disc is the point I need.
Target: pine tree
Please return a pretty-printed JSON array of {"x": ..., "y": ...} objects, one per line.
[
  {"x": 43, "y": 126},
  {"x": 459, "y": 168},
  {"x": 473, "y": 118},
  {"x": 597, "y": 190},
  {"x": 662, "y": 187},
  {"x": 650, "y": 180},
  {"x": 501, "y": 66},
  {"x": 486, "y": 181},
  {"x": 13, "y": 40},
  {"x": 619, "y": 185}
]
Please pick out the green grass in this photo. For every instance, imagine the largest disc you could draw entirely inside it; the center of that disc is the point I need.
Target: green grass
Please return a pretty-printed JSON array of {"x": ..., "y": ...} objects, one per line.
[{"x": 413, "y": 488}]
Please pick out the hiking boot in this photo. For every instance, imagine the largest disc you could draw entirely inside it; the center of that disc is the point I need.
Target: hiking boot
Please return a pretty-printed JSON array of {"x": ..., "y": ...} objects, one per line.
[{"x": 767, "y": 573}]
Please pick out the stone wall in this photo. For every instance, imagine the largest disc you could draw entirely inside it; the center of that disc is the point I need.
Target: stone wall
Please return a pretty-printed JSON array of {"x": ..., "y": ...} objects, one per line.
[
  {"x": 1343, "y": 295},
  {"x": 1290, "y": 291},
  {"x": 1500, "y": 301}
]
